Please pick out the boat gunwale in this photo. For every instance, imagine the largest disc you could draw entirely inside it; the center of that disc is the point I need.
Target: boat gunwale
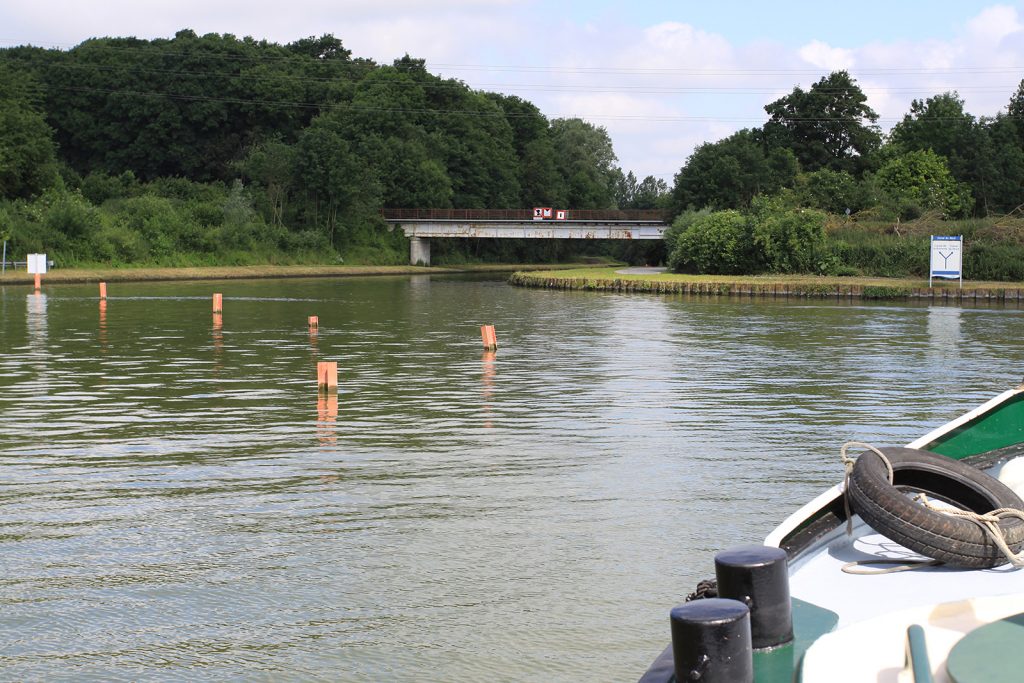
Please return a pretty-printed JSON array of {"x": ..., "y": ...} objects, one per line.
[{"x": 818, "y": 506}]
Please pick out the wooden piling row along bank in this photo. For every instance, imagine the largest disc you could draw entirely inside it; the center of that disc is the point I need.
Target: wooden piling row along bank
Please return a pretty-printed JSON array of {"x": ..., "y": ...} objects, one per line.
[{"x": 770, "y": 290}]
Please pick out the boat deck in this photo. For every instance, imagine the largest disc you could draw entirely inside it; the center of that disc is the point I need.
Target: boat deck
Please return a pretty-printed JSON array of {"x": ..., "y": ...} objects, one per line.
[
  {"x": 875, "y": 610},
  {"x": 818, "y": 577}
]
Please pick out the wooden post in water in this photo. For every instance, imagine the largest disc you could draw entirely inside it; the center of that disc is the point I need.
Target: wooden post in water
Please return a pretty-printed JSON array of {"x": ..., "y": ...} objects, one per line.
[
  {"x": 38, "y": 283},
  {"x": 489, "y": 337},
  {"x": 327, "y": 376},
  {"x": 314, "y": 322},
  {"x": 218, "y": 303},
  {"x": 103, "y": 290}
]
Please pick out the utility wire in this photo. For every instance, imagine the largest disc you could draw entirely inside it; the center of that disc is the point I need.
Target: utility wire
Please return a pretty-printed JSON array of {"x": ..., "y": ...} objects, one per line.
[{"x": 466, "y": 112}]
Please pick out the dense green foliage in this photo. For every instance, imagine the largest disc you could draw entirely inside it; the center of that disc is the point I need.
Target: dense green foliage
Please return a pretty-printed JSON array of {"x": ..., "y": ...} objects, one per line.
[
  {"x": 771, "y": 238},
  {"x": 937, "y": 157},
  {"x": 718, "y": 242},
  {"x": 218, "y": 149},
  {"x": 829, "y": 126},
  {"x": 820, "y": 154}
]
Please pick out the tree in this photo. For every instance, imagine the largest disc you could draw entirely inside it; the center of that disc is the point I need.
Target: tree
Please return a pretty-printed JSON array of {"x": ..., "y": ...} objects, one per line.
[
  {"x": 828, "y": 126},
  {"x": 540, "y": 183},
  {"x": 1015, "y": 111},
  {"x": 832, "y": 191},
  {"x": 341, "y": 184},
  {"x": 919, "y": 181},
  {"x": 271, "y": 164},
  {"x": 729, "y": 173},
  {"x": 999, "y": 188},
  {"x": 28, "y": 160},
  {"x": 1016, "y": 107},
  {"x": 190, "y": 106},
  {"x": 940, "y": 124},
  {"x": 650, "y": 193},
  {"x": 324, "y": 48},
  {"x": 585, "y": 159},
  {"x": 477, "y": 146}
]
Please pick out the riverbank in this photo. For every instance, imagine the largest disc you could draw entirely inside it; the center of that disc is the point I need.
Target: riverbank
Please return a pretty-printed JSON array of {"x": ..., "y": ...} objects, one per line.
[
  {"x": 617, "y": 280},
  {"x": 82, "y": 275}
]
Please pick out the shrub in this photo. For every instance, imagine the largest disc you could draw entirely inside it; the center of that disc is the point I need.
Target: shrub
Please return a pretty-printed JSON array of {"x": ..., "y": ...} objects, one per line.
[
  {"x": 99, "y": 187},
  {"x": 832, "y": 191},
  {"x": 718, "y": 243},
  {"x": 680, "y": 225},
  {"x": 789, "y": 240},
  {"x": 920, "y": 180}
]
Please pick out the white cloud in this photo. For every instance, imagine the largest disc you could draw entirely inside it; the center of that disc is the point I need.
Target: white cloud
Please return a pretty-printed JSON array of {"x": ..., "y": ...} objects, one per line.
[
  {"x": 825, "y": 57},
  {"x": 994, "y": 23}
]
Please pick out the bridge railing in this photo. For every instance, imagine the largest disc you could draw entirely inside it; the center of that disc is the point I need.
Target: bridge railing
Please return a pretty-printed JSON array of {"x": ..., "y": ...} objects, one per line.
[{"x": 597, "y": 215}]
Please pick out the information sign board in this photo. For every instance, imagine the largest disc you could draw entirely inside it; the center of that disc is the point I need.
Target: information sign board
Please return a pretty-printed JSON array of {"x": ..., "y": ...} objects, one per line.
[
  {"x": 947, "y": 258},
  {"x": 36, "y": 264}
]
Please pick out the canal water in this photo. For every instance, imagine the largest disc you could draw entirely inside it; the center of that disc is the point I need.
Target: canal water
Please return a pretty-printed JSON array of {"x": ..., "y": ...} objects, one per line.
[{"x": 176, "y": 502}]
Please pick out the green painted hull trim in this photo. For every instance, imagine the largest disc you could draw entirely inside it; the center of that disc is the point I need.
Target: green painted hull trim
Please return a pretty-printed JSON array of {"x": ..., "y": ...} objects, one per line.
[{"x": 998, "y": 428}]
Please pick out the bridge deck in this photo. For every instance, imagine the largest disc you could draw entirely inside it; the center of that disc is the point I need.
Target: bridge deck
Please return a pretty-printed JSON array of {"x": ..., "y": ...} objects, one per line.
[
  {"x": 607, "y": 229},
  {"x": 419, "y": 225}
]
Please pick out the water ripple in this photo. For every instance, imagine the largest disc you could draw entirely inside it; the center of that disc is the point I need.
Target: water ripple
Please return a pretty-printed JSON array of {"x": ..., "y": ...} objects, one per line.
[{"x": 178, "y": 502}]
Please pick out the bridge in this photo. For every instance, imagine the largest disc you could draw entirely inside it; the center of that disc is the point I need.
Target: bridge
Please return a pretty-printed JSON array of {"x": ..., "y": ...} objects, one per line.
[{"x": 420, "y": 225}]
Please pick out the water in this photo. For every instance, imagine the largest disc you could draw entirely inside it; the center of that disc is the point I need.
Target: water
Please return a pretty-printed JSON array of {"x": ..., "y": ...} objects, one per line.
[{"x": 177, "y": 504}]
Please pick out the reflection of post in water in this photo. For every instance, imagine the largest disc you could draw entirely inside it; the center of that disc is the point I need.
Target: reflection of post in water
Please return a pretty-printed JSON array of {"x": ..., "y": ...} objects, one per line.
[
  {"x": 103, "y": 324},
  {"x": 487, "y": 362},
  {"x": 326, "y": 417},
  {"x": 314, "y": 333},
  {"x": 36, "y": 322},
  {"x": 218, "y": 339}
]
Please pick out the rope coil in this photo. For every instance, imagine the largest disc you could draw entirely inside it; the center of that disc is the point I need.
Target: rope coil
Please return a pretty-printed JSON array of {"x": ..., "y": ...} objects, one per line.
[
  {"x": 848, "y": 463},
  {"x": 989, "y": 522}
]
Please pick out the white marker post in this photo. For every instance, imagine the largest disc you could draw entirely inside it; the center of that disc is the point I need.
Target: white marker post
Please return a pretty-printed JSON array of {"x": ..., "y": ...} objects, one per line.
[
  {"x": 36, "y": 263},
  {"x": 947, "y": 258}
]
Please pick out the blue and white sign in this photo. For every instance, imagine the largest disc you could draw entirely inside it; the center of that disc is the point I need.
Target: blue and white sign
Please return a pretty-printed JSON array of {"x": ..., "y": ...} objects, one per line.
[{"x": 947, "y": 258}]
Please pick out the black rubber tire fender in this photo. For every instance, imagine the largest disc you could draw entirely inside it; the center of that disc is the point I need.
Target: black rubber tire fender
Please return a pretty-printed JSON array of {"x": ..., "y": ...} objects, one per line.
[{"x": 956, "y": 541}]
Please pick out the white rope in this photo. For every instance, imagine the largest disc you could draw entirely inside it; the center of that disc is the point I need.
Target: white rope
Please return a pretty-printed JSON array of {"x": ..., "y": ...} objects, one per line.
[
  {"x": 989, "y": 522},
  {"x": 848, "y": 462},
  {"x": 855, "y": 567}
]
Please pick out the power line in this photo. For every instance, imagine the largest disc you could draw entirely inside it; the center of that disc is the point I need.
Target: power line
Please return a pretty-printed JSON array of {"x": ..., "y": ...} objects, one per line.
[
  {"x": 530, "y": 87},
  {"x": 467, "y": 112},
  {"x": 147, "y": 46}
]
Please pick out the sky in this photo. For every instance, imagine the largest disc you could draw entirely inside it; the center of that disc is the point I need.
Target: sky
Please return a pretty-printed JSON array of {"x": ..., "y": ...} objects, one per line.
[{"x": 660, "y": 76}]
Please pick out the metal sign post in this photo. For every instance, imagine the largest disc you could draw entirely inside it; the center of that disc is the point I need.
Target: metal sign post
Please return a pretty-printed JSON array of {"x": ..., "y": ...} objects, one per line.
[{"x": 947, "y": 258}]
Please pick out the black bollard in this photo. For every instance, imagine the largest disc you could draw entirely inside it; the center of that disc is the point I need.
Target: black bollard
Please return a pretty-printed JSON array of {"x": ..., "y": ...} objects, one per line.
[
  {"x": 758, "y": 576},
  {"x": 711, "y": 642}
]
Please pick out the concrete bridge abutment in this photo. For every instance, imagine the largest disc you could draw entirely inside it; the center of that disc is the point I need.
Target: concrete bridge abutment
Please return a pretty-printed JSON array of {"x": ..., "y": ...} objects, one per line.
[{"x": 419, "y": 251}]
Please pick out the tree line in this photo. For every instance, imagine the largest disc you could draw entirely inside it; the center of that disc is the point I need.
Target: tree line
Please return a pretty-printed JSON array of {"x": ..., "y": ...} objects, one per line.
[
  {"x": 135, "y": 150},
  {"x": 218, "y": 149},
  {"x": 819, "y": 189},
  {"x": 824, "y": 147}
]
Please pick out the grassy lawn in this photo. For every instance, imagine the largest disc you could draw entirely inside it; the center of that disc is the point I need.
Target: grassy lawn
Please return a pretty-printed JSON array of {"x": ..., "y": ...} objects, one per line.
[
  {"x": 126, "y": 274},
  {"x": 605, "y": 274}
]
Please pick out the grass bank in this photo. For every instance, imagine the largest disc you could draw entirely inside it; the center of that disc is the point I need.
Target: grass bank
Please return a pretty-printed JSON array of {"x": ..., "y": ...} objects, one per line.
[
  {"x": 613, "y": 280},
  {"x": 78, "y": 275}
]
